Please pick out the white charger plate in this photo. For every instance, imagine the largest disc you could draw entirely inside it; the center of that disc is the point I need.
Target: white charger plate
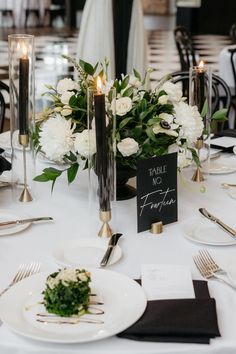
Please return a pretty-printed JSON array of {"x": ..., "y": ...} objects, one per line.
[
  {"x": 206, "y": 232},
  {"x": 18, "y": 307},
  {"x": 84, "y": 252},
  {"x": 220, "y": 166},
  {"x": 7, "y": 215}
]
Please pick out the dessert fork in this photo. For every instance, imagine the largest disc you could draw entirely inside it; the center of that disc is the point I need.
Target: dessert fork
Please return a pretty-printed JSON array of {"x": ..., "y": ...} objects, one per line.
[
  {"x": 24, "y": 271},
  {"x": 208, "y": 274}
]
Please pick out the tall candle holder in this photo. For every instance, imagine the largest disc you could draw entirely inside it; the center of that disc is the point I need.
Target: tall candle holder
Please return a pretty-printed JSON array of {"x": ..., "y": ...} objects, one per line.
[
  {"x": 200, "y": 95},
  {"x": 22, "y": 104},
  {"x": 101, "y": 162}
]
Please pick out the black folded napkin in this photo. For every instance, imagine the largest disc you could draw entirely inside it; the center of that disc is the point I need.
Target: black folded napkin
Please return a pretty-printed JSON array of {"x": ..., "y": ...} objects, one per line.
[
  {"x": 180, "y": 320},
  {"x": 5, "y": 165}
]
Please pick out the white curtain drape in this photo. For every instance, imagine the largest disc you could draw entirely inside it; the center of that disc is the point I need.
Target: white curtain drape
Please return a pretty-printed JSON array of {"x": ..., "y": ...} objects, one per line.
[
  {"x": 96, "y": 36},
  {"x": 137, "y": 44}
]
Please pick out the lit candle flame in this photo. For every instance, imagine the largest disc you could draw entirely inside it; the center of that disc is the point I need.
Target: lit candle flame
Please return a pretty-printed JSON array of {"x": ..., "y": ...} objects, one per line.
[
  {"x": 24, "y": 51},
  {"x": 201, "y": 64},
  {"x": 99, "y": 84}
]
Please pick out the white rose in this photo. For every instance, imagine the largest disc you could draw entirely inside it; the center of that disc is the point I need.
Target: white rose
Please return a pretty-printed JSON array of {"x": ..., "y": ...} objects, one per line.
[
  {"x": 123, "y": 105},
  {"x": 163, "y": 99},
  {"x": 56, "y": 137},
  {"x": 85, "y": 143},
  {"x": 173, "y": 91},
  {"x": 65, "y": 97},
  {"x": 128, "y": 146},
  {"x": 66, "y": 85}
]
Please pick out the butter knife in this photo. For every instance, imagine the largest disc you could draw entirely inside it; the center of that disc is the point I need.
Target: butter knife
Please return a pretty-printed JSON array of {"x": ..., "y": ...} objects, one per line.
[
  {"x": 25, "y": 221},
  {"x": 213, "y": 218},
  {"x": 111, "y": 245}
]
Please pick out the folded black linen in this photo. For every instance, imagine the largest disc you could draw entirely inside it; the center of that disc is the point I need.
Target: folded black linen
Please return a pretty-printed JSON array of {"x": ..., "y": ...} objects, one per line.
[{"x": 180, "y": 320}]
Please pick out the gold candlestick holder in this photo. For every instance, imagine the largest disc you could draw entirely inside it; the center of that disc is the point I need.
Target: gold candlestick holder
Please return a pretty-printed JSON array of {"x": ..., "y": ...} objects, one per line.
[
  {"x": 198, "y": 177},
  {"x": 25, "y": 195},
  {"x": 105, "y": 217}
]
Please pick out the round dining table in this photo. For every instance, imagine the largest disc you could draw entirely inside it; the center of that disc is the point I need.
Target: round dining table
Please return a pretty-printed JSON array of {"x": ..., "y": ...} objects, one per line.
[{"x": 69, "y": 208}]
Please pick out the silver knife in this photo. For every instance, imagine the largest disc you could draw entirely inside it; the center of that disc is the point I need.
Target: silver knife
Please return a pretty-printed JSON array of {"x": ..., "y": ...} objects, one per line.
[
  {"x": 24, "y": 221},
  {"x": 213, "y": 218},
  {"x": 111, "y": 245}
]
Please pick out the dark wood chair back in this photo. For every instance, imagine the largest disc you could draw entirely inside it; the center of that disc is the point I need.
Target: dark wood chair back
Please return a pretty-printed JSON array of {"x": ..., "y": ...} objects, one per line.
[
  {"x": 3, "y": 104},
  {"x": 185, "y": 48},
  {"x": 221, "y": 95},
  {"x": 232, "y": 33}
]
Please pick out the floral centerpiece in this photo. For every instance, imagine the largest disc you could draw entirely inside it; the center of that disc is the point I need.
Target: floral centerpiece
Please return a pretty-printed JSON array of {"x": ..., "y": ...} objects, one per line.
[{"x": 148, "y": 122}]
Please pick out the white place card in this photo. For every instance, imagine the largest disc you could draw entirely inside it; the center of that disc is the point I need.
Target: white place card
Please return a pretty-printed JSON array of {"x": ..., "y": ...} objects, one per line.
[
  {"x": 224, "y": 141},
  {"x": 164, "y": 281}
]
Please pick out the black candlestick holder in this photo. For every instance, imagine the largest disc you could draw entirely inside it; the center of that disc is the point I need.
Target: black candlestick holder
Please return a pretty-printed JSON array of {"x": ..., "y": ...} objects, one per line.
[
  {"x": 101, "y": 160},
  {"x": 200, "y": 95},
  {"x": 22, "y": 105}
]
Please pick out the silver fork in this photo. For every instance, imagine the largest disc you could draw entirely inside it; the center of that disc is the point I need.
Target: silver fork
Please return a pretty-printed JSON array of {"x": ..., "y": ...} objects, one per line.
[
  {"x": 24, "y": 271},
  {"x": 208, "y": 274}
]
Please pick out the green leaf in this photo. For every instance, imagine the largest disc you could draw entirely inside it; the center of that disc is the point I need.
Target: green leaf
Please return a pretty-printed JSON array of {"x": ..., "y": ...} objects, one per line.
[
  {"x": 88, "y": 68},
  {"x": 42, "y": 178},
  {"x": 136, "y": 74},
  {"x": 195, "y": 157},
  {"x": 124, "y": 82},
  {"x": 220, "y": 115},
  {"x": 52, "y": 172},
  {"x": 73, "y": 102},
  {"x": 124, "y": 122},
  {"x": 128, "y": 92},
  {"x": 72, "y": 171},
  {"x": 204, "y": 110},
  {"x": 150, "y": 134}
]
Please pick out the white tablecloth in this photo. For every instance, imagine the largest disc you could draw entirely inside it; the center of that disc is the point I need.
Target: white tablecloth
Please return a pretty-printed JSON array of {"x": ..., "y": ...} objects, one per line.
[
  {"x": 68, "y": 207},
  {"x": 225, "y": 66}
]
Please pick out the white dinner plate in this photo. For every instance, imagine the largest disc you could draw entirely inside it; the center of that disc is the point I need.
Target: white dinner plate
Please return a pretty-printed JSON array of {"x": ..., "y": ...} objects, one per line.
[
  {"x": 7, "y": 215},
  {"x": 84, "y": 252},
  {"x": 204, "y": 231},
  {"x": 124, "y": 303},
  {"x": 221, "y": 166}
]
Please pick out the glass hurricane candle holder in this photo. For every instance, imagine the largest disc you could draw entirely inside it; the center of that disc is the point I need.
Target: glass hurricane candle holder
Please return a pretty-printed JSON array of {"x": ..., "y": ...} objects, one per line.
[
  {"x": 101, "y": 162},
  {"x": 22, "y": 103},
  {"x": 200, "y": 95}
]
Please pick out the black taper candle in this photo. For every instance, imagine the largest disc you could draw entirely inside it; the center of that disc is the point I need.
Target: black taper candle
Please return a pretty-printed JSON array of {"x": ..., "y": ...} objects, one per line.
[
  {"x": 23, "y": 95},
  {"x": 200, "y": 86},
  {"x": 101, "y": 151}
]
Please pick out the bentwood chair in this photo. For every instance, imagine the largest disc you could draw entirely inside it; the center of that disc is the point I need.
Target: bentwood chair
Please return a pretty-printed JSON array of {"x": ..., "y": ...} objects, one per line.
[
  {"x": 184, "y": 44},
  {"x": 232, "y": 33},
  {"x": 221, "y": 95},
  {"x": 4, "y": 92}
]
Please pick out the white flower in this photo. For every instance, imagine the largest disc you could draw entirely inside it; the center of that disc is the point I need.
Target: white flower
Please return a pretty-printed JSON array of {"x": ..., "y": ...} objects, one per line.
[
  {"x": 166, "y": 126},
  {"x": 56, "y": 137},
  {"x": 163, "y": 99},
  {"x": 134, "y": 81},
  {"x": 85, "y": 143},
  {"x": 190, "y": 121},
  {"x": 173, "y": 91},
  {"x": 66, "y": 85},
  {"x": 65, "y": 97},
  {"x": 184, "y": 155},
  {"x": 123, "y": 105},
  {"x": 128, "y": 146}
]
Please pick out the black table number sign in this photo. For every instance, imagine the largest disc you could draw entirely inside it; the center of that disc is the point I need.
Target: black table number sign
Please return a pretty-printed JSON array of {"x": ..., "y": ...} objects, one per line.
[{"x": 157, "y": 191}]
